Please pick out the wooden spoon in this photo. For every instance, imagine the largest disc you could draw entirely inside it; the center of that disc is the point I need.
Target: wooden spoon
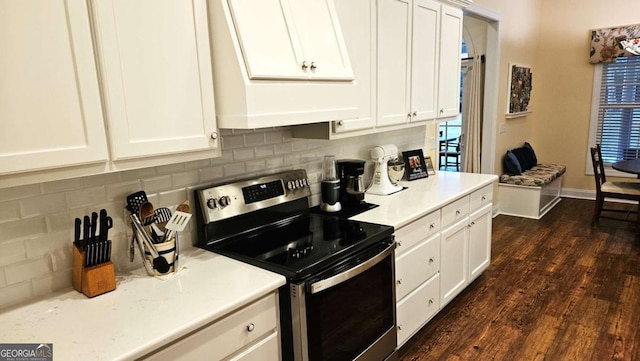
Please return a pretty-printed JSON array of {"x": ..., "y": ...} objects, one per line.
[{"x": 146, "y": 213}]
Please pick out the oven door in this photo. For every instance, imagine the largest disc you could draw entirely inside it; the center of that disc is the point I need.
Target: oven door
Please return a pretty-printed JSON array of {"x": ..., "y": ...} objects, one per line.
[{"x": 348, "y": 311}]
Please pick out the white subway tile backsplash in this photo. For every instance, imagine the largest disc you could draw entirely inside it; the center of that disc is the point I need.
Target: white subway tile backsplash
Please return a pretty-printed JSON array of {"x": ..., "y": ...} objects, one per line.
[
  {"x": 43, "y": 205},
  {"x": 232, "y": 141},
  {"x": 234, "y": 169},
  {"x": 12, "y": 252},
  {"x": 86, "y": 197},
  {"x": 63, "y": 185},
  {"x": 254, "y": 139},
  {"x": 22, "y": 228},
  {"x": 185, "y": 179},
  {"x": 244, "y": 154},
  {"x": 36, "y": 221},
  {"x": 9, "y": 211},
  {"x": 209, "y": 174},
  {"x": 156, "y": 184},
  {"x": 26, "y": 270},
  {"x": 15, "y": 294},
  {"x": 7, "y": 194}
]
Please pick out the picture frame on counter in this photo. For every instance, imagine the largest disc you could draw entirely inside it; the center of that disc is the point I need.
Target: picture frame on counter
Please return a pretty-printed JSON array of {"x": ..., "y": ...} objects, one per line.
[
  {"x": 415, "y": 165},
  {"x": 429, "y": 164}
]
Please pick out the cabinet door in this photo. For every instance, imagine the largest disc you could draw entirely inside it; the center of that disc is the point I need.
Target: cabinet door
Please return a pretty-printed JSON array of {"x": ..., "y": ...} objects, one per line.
[
  {"x": 357, "y": 18},
  {"x": 50, "y": 111},
  {"x": 449, "y": 77},
  {"x": 454, "y": 267},
  {"x": 318, "y": 30},
  {"x": 156, "y": 72},
  {"x": 480, "y": 241},
  {"x": 269, "y": 44},
  {"x": 394, "y": 55},
  {"x": 424, "y": 59}
]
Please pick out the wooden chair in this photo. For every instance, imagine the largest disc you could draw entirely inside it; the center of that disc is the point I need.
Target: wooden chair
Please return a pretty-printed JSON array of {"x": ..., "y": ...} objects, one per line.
[
  {"x": 450, "y": 154},
  {"x": 604, "y": 189}
]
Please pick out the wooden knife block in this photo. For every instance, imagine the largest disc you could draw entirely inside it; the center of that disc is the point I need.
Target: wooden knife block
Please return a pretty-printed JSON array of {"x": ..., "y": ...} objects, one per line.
[{"x": 95, "y": 280}]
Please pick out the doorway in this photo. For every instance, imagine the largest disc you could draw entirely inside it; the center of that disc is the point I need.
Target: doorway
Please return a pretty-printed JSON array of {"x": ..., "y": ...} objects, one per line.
[{"x": 480, "y": 37}]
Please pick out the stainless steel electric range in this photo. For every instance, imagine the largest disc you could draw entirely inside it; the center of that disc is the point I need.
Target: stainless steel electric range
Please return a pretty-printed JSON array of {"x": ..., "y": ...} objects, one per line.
[{"x": 339, "y": 300}]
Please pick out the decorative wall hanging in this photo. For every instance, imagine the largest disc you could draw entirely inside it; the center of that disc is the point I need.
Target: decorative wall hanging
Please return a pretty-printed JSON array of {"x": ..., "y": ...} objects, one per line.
[
  {"x": 607, "y": 43},
  {"x": 520, "y": 86}
]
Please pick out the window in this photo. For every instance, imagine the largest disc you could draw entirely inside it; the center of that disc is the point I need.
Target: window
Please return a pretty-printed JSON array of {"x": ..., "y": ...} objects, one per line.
[{"x": 616, "y": 109}]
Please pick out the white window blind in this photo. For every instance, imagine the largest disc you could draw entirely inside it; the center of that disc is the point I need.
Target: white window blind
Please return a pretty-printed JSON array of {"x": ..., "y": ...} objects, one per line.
[{"x": 618, "y": 129}]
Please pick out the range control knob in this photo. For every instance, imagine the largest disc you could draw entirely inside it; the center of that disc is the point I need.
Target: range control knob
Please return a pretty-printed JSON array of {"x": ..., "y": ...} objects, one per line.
[
  {"x": 212, "y": 203},
  {"x": 224, "y": 201}
]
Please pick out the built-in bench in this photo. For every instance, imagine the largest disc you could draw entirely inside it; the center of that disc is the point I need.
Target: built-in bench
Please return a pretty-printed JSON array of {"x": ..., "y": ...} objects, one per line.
[{"x": 532, "y": 192}]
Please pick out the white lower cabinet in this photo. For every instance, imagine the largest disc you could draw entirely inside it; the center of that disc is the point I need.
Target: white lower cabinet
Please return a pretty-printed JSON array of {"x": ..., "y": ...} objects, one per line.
[
  {"x": 455, "y": 268},
  {"x": 417, "y": 308},
  {"x": 438, "y": 256},
  {"x": 250, "y": 333},
  {"x": 479, "y": 248}
]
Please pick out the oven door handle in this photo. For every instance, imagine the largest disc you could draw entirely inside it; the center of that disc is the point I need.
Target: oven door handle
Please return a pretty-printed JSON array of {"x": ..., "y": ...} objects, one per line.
[{"x": 347, "y": 275}]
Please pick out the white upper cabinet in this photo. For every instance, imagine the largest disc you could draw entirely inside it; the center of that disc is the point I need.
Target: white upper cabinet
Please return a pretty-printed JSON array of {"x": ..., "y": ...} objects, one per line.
[
  {"x": 449, "y": 77},
  {"x": 155, "y": 66},
  {"x": 394, "y": 66},
  {"x": 408, "y": 39},
  {"x": 424, "y": 59},
  {"x": 50, "y": 113},
  {"x": 291, "y": 39},
  {"x": 279, "y": 62}
]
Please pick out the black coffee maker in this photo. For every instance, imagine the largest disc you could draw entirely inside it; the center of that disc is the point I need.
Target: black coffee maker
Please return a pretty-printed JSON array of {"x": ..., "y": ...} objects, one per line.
[{"x": 350, "y": 173}]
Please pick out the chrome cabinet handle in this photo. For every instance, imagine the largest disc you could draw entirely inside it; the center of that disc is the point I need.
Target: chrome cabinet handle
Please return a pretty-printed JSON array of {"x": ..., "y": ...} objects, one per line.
[
  {"x": 304, "y": 66},
  {"x": 340, "y": 123},
  {"x": 214, "y": 135},
  {"x": 458, "y": 212},
  {"x": 432, "y": 259},
  {"x": 350, "y": 273},
  {"x": 415, "y": 114},
  {"x": 399, "y": 281},
  {"x": 432, "y": 226},
  {"x": 313, "y": 65},
  {"x": 441, "y": 111},
  {"x": 431, "y": 301},
  {"x": 251, "y": 327}
]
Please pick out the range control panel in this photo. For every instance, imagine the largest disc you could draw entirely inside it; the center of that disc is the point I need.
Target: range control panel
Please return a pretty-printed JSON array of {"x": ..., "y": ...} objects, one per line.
[{"x": 232, "y": 199}]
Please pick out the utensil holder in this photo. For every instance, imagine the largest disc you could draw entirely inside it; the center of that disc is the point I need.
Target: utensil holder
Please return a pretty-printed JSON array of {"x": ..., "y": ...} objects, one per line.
[
  {"x": 92, "y": 281},
  {"x": 167, "y": 250}
]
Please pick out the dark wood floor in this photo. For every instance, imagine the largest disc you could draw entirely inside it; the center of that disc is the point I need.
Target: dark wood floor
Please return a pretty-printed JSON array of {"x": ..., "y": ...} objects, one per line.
[{"x": 557, "y": 289}]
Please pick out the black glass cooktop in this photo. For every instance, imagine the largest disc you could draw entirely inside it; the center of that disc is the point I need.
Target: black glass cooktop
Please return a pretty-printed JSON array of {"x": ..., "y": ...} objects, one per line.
[
  {"x": 347, "y": 211},
  {"x": 303, "y": 246}
]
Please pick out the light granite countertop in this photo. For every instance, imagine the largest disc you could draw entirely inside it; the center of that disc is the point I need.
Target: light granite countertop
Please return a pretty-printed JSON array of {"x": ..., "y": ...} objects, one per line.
[{"x": 143, "y": 313}]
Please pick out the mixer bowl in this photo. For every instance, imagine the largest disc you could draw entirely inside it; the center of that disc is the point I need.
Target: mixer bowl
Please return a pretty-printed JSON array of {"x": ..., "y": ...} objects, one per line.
[{"x": 395, "y": 171}]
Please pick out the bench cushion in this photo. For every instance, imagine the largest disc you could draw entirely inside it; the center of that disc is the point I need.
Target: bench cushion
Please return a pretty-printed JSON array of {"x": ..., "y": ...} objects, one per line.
[{"x": 541, "y": 174}]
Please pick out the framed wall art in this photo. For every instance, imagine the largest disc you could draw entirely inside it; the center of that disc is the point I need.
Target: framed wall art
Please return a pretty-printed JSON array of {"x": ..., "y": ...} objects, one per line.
[
  {"x": 415, "y": 166},
  {"x": 520, "y": 86}
]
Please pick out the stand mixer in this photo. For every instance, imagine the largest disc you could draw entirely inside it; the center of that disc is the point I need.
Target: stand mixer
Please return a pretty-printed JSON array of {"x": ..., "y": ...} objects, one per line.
[{"x": 381, "y": 183}]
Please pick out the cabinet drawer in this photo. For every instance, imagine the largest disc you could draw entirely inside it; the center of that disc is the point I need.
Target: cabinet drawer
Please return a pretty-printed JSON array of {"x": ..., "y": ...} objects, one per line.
[
  {"x": 481, "y": 197},
  {"x": 417, "y": 308},
  {"x": 265, "y": 350},
  {"x": 455, "y": 211},
  {"x": 226, "y": 336},
  {"x": 417, "y": 265},
  {"x": 417, "y": 231}
]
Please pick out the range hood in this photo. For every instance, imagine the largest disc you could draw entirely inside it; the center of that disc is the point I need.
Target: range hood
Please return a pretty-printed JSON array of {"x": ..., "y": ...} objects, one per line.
[{"x": 279, "y": 62}]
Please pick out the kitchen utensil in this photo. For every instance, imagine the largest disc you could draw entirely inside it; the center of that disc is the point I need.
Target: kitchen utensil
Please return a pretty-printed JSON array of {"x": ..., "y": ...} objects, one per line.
[
  {"x": 135, "y": 200},
  {"x": 395, "y": 169},
  {"x": 162, "y": 215},
  {"x": 381, "y": 183},
  {"x": 94, "y": 226},
  {"x": 86, "y": 229},
  {"x": 182, "y": 207},
  {"x": 76, "y": 235},
  {"x": 147, "y": 214},
  {"x": 350, "y": 173},
  {"x": 330, "y": 185},
  {"x": 177, "y": 223},
  {"x": 159, "y": 262}
]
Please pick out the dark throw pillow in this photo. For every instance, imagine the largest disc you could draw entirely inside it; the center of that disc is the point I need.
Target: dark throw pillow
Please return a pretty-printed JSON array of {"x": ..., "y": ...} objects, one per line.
[
  {"x": 523, "y": 158},
  {"x": 532, "y": 153},
  {"x": 511, "y": 164}
]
